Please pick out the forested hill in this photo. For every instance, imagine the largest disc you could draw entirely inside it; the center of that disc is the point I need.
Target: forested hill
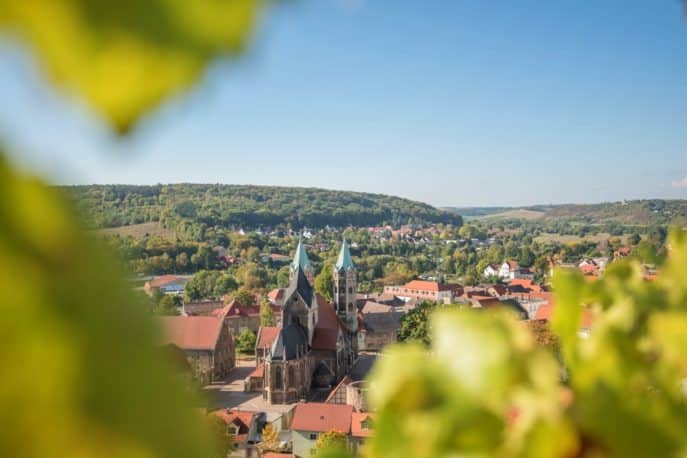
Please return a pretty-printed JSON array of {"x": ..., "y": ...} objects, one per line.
[
  {"x": 245, "y": 206},
  {"x": 637, "y": 212}
]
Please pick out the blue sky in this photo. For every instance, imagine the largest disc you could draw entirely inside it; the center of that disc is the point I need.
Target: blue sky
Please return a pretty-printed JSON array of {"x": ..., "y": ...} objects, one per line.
[{"x": 448, "y": 102}]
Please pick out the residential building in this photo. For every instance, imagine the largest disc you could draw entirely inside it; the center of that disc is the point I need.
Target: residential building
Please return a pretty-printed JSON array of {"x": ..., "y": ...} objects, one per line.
[
  {"x": 511, "y": 270},
  {"x": 239, "y": 317},
  {"x": 246, "y": 428},
  {"x": 380, "y": 322},
  {"x": 167, "y": 284},
  {"x": 426, "y": 290},
  {"x": 206, "y": 341},
  {"x": 361, "y": 430},
  {"x": 314, "y": 418}
]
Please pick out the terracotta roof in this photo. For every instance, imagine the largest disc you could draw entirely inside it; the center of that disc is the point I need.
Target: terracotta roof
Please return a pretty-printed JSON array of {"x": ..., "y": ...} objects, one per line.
[
  {"x": 276, "y": 294},
  {"x": 266, "y": 336},
  {"x": 327, "y": 328},
  {"x": 320, "y": 417},
  {"x": 424, "y": 285},
  {"x": 279, "y": 257},
  {"x": 545, "y": 311},
  {"x": 357, "y": 427},
  {"x": 163, "y": 280},
  {"x": 235, "y": 310},
  {"x": 241, "y": 418},
  {"x": 259, "y": 372},
  {"x": 524, "y": 282},
  {"x": 191, "y": 332}
]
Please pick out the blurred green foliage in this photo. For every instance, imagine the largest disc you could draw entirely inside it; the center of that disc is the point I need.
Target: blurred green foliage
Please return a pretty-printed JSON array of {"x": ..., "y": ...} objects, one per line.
[
  {"x": 82, "y": 371},
  {"x": 124, "y": 57},
  {"x": 485, "y": 388}
]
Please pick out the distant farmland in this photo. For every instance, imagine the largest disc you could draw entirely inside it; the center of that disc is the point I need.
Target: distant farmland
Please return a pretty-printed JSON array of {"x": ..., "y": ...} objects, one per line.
[{"x": 139, "y": 231}]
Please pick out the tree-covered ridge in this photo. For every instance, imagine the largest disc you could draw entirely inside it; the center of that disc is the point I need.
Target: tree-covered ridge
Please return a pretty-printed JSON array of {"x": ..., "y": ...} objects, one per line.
[
  {"x": 246, "y": 206},
  {"x": 636, "y": 212}
]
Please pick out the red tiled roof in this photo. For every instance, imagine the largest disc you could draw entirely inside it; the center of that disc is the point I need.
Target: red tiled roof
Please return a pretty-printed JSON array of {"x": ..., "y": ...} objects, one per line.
[
  {"x": 191, "y": 332},
  {"x": 259, "y": 372},
  {"x": 235, "y": 310},
  {"x": 424, "y": 285},
  {"x": 266, "y": 336},
  {"x": 320, "y": 417},
  {"x": 279, "y": 257},
  {"x": 241, "y": 418},
  {"x": 327, "y": 328},
  {"x": 357, "y": 429},
  {"x": 545, "y": 311},
  {"x": 276, "y": 294},
  {"x": 525, "y": 283}
]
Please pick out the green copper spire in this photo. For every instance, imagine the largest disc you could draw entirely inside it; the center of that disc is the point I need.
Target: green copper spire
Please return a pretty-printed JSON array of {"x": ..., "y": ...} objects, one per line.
[
  {"x": 301, "y": 259},
  {"x": 344, "y": 261}
]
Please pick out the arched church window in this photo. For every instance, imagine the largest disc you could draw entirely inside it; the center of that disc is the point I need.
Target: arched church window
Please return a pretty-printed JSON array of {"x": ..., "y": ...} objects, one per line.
[
  {"x": 278, "y": 378},
  {"x": 292, "y": 376}
]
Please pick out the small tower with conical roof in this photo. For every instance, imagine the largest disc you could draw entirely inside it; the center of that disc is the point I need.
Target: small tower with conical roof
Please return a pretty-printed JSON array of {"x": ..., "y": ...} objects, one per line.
[
  {"x": 345, "y": 285},
  {"x": 302, "y": 262}
]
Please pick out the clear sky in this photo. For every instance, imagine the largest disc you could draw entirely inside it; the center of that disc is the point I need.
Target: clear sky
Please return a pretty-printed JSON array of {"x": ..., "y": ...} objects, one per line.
[{"x": 448, "y": 102}]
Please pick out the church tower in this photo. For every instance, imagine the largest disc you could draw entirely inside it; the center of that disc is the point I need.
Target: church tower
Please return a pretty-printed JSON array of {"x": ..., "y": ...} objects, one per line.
[
  {"x": 345, "y": 287},
  {"x": 301, "y": 262}
]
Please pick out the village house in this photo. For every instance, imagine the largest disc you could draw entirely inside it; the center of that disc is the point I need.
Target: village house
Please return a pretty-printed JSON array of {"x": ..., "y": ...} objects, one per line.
[
  {"x": 361, "y": 430},
  {"x": 492, "y": 270},
  {"x": 593, "y": 266},
  {"x": 201, "y": 308},
  {"x": 488, "y": 303},
  {"x": 206, "y": 341},
  {"x": 314, "y": 418},
  {"x": 380, "y": 322},
  {"x": 167, "y": 284},
  {"x": 425, "y": 290},
  {"x": 246, "y": 429},
  {"x": 509, "y": 270},
  {"x": 239, "y": 317},
  {"x": 275, "y": 259}
]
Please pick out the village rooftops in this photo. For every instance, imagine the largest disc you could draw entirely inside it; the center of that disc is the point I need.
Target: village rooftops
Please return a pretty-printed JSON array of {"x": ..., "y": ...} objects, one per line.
[
  {"x": 267, "y": 335},
  {"x": 425, "y": 285},
  {"x": 322, "y": 417},
  {"x": 191, "y": 332}
]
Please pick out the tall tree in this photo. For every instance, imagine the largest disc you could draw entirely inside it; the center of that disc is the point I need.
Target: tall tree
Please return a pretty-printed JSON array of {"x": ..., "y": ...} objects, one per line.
[{"x": 324, "y": 281}]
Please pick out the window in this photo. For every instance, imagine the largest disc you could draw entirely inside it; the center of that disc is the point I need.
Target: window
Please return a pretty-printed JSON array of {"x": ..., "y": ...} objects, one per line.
[
  {"x": 313, "y": 436},
  {"x": 292, "y": 376},
  {"x": 278, "y": 378}
]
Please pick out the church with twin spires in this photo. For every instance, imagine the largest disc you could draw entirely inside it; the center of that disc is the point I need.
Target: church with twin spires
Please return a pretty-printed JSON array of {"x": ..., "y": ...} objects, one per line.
[{"x": 317, "y": 342}]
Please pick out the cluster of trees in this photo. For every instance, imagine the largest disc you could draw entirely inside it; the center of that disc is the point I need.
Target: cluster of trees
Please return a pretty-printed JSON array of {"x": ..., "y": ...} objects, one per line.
[
  {"x": 193, "y": 208},
  {"x": 210, "y": 284}
]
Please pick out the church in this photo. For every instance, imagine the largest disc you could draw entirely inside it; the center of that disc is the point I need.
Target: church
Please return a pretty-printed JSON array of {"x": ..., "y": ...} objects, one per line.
[{"x": 317, "y": 342}]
